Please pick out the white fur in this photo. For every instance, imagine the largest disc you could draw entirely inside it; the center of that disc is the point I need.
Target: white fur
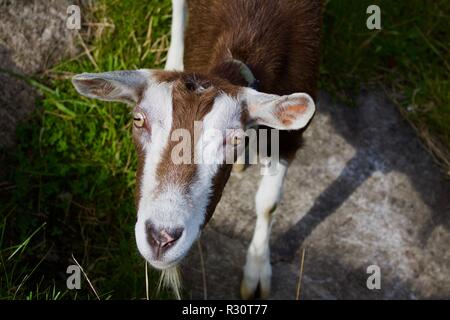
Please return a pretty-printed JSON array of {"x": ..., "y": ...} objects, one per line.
[
  {"x": 257, "y": 268},
  {"x": 225, "y": 114},
  {"x": 161, "y": 118},
  {"x": 170, "y": 278},
  {"x": 176, "y": 49},
  {"x": 262, "y": 106}
]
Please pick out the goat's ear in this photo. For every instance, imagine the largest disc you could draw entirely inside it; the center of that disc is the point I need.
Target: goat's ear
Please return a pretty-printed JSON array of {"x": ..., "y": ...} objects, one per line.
[
  {"x": 123, "y": 86},
  {"x": 289, "y": 112}
]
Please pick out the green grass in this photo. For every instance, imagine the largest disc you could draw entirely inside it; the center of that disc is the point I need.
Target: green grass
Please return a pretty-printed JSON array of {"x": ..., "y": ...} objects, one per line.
[
  {"x": 73, "y": 172},
  {"x": 410, "y": 57},
  {"x": 71, "y": 178}
]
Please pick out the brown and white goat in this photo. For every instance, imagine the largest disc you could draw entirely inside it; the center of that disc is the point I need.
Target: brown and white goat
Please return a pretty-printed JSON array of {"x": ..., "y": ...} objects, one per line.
[{"x": 217, "y": 48}]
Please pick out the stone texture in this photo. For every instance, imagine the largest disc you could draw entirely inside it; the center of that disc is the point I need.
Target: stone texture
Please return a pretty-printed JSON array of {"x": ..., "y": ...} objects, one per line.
[
  {"x": 33, "y": 37},
  {"x": 362, "y": 191}
]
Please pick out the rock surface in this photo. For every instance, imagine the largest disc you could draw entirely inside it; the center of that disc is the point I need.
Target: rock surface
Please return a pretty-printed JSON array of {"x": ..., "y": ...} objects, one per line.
[
  {"x": 361, "y": 192},
  {"x": 33, "y": 37}
]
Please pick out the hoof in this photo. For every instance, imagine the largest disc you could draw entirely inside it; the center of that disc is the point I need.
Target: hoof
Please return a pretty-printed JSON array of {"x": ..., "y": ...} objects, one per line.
[
  {"x": 246, "y": 292},
  {"x": 255, "y": 283}
]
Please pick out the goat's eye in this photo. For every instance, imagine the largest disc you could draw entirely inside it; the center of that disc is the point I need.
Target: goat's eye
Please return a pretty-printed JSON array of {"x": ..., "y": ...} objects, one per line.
[{"x": 139, "y": 119}]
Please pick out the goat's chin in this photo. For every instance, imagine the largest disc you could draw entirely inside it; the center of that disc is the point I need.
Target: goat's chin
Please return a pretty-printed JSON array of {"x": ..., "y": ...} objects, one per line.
[
  {"x": 170, "y": 278},
  {"x": 162, "y": 265}
]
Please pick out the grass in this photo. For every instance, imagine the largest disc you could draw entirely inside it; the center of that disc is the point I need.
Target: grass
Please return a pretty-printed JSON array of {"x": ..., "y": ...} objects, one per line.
[
  {"x": 74, "y": 167},
  {"x": 71, "y": 178},
  {"x": 409, "y": 57}
]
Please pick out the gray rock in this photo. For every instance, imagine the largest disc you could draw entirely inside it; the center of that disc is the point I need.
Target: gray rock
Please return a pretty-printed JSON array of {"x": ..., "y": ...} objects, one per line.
[
  {"x": 33, "y": 37},
  {"x": 35, "y": 32},
  {"x": 362, "y": 191}
]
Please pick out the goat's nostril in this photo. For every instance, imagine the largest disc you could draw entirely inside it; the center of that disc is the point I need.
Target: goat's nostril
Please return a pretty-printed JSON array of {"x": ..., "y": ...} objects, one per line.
[
  {"x": 168, "y": 237},
  {"x": 161, "y": 239}
]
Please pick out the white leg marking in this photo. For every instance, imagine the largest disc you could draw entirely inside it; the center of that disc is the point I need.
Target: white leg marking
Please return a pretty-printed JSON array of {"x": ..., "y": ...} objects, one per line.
[
  {"x": 176, "y": 49},
  {"x": 257, "y": 268},
  {"x": 239, "y": 165}
]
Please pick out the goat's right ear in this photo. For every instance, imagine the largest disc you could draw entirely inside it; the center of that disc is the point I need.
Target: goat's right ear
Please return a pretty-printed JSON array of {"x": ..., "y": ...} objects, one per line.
[
  {"x": 123, "y": 86},
  {"x": 290, "y": 112}
]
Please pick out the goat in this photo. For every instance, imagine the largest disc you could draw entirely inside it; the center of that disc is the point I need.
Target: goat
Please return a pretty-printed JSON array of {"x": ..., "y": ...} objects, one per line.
[{"x": 231, "y": 64}]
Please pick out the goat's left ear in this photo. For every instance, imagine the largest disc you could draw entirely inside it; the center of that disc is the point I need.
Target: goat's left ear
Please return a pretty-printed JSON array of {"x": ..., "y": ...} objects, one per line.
[
  {"x": 123, "y": 86},
  {"x": 289, "y": 112}
]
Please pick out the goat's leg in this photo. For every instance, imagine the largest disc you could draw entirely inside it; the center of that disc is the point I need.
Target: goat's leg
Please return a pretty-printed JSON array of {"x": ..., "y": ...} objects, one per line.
[
  {"x": 239, "y": 164},
  {"x": 248, "y": 155},
  {"x": 176, "y": 49},
  {"x": 257, "y": 269}
]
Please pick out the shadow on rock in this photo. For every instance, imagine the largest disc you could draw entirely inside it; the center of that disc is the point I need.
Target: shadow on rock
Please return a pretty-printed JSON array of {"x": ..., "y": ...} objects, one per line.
[{"x": 384, "y": 144}]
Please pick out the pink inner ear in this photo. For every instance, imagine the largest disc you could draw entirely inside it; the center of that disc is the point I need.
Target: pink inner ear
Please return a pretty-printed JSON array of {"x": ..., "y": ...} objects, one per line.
[
  {"x": 288, "y": 114},
  {"x": 298, "y": 108}
]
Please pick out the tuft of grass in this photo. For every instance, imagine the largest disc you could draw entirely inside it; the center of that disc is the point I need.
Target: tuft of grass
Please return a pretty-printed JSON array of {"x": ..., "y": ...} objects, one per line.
[
  {"x": 18, "y": 276},
  {"x": 409, "y": 57}
]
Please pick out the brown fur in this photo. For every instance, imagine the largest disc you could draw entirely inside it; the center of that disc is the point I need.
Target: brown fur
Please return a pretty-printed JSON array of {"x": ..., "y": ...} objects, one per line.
[
  {"x": 189, "y": 105},
  {"x": 278, "y": 40}
]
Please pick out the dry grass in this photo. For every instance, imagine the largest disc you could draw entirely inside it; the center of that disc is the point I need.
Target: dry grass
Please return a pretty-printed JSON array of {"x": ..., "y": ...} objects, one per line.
[
  {"x": 202, "y": 266},
  {"x": 87, "y": 278},
  {"x": 300, "y": 275}
]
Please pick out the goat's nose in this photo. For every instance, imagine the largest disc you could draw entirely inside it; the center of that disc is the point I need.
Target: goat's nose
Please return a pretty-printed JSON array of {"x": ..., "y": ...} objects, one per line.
[{"x": 161, "y": 239}]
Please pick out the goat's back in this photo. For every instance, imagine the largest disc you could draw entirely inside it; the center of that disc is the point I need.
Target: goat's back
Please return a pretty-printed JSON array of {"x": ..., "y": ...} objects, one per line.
[{"x": 279, "y": 40}]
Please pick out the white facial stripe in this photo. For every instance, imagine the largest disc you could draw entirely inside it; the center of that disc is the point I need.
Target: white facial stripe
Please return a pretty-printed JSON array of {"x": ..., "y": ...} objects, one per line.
[
  {"x": 157, "y": 103},
  {"x": 172, "y": 208},
  {"x": 225, "y": 113}
]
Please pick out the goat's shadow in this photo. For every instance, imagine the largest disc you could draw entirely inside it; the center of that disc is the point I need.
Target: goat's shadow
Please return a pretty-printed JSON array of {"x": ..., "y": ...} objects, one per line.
[{"x": 383, "y": 142}]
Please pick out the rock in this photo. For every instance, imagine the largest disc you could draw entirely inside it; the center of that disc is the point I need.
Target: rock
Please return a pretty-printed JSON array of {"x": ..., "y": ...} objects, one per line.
[
  {"x": 35, "y": 33},
  {"x": 33, "y": 37},
  {"x": 362, "y": 191}
]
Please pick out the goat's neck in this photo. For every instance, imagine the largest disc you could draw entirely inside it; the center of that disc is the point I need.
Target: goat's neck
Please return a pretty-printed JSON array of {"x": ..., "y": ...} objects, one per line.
[
  {"x": 228, "y": 69},
  {"x": 223, "y": 60}
]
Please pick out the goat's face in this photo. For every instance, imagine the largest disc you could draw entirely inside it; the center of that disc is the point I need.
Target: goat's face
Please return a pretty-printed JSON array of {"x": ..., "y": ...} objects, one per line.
[{"x": 186, "y": 129}]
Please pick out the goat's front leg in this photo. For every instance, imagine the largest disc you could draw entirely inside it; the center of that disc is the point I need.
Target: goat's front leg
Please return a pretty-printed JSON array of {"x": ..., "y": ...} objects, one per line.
[
  {"x": 239, "y": 164},
  {"x": 257, "y": 269},
  {"x": 176, "y": 50}
]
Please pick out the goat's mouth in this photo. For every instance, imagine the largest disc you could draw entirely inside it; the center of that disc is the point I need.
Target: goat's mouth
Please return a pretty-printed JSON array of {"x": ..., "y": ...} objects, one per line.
[
  {"x": 165, "y": 260},
  {"x": 162, "y": 262},
  {"x": 163, "y": 265}
]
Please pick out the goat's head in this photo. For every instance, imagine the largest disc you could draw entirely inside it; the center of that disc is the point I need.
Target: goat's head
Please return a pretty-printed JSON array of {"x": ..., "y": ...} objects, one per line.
[{"x": 174, "y": 198}]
